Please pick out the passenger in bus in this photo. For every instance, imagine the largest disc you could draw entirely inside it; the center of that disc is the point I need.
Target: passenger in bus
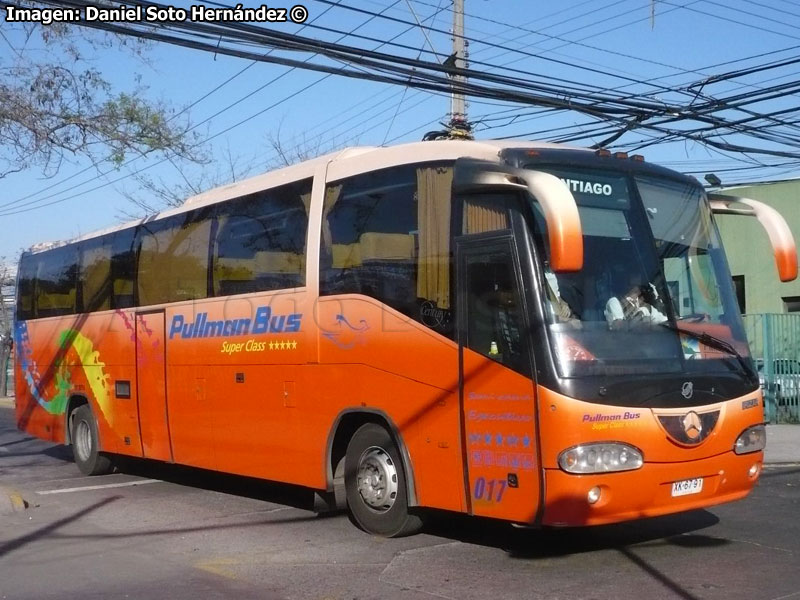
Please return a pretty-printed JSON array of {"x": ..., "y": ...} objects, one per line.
[
  {"x": 634, "y": 305},
  {"x": 560, "y": 308}
]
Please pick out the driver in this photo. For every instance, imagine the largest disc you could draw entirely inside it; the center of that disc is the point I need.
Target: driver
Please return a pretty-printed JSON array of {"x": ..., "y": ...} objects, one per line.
[{"x": 632, "y": 305}]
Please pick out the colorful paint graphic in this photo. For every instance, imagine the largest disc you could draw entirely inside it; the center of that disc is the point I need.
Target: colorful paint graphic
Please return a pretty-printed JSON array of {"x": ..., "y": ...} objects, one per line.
[
  {"x": 93, "y": 369},
  {"x": 89, "y": 358},
  {"x": 346, "y": 335}
]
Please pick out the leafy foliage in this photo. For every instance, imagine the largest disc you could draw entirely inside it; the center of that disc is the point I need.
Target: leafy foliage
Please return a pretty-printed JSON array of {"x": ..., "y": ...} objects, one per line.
[{"x": 55, "y": 104}]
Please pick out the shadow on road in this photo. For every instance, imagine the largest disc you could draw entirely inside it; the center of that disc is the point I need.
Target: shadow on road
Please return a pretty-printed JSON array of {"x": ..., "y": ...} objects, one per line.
[
  {"x": 551, "y": 542},
  {"x": 529, "y": 544},
  {"x": 248, "y": 487},
  {"x": 51, "y": 528}
]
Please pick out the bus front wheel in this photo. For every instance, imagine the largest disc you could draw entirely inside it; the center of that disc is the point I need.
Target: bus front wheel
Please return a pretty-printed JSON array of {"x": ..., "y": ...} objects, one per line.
[
  {"x": 375, "y": 483},
  {"x": 86, "y": 443}
]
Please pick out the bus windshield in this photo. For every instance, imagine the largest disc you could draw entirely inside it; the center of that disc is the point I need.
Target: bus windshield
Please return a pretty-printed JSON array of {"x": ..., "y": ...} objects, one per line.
[{"x": 654, "y": 294}]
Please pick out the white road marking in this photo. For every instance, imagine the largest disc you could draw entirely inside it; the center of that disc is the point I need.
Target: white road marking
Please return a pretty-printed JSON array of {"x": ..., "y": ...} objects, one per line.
[
  {"x": 3, "y": 449},
  {"x": 87, "y": 488}
]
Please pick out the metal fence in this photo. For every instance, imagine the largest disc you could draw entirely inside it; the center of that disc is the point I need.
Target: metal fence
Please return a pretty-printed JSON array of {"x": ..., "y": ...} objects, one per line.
[{"x": 775, "y": 346}]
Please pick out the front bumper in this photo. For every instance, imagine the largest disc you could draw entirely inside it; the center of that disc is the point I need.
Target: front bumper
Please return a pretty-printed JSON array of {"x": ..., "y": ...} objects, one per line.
[{"x": 646, "y": 492}]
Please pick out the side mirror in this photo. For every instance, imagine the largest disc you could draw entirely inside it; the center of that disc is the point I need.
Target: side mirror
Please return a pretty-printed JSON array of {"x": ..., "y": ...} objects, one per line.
[
  {"x": 558, "y": 205},
  {"x": 780, "y": 236}
]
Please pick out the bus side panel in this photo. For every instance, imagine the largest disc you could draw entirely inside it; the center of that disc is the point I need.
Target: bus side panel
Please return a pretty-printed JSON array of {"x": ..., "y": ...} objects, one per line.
[
  {"x": 31, "y": 417},
  {"x": 377, "y": 359},
  {"x": 82, "y": 355},
  {"x": 235, "y": 376},
  {"x": 251, "y": 404}
]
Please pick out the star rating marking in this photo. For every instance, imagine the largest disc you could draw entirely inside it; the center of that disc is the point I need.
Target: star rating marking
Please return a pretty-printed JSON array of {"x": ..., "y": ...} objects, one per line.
[{"x": 283, "y": 345}]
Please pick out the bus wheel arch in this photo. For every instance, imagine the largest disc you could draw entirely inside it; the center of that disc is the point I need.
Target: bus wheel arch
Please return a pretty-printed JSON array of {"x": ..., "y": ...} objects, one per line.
[
  {"x": 73, "y": 404},
  {"x": 366, "y": 446},
  {"x": 84, "y": 438}
]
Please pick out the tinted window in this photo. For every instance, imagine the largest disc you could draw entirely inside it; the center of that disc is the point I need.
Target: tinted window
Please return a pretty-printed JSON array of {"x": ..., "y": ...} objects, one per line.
[
  {"x": 55, "y": 286},
  {"x": 494, "y": 310},
  {"x": 94, "y": 283},
  {"x": 173, "y": 258},
  {"x": 90, "y": 276},
  {"x": 27, "y": 274},
  {"x": 386, "y": 234},
  {"x": 486, "y": 212},
  {"x": 261, "y": 241},
  {"x": 123, "y": 268}
]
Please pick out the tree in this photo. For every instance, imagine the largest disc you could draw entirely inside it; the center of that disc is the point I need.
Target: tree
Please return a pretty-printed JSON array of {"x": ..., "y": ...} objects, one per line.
[
  {"x": 155, "y": 194},
  {"x": 6, "y": 322},
  {"x": 56, "y": 105}
]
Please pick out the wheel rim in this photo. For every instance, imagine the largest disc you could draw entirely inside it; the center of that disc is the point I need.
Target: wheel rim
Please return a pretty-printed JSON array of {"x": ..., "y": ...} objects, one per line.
[
  {"x": 83, "y": 440},
  {"x": 377, "y": 479}
]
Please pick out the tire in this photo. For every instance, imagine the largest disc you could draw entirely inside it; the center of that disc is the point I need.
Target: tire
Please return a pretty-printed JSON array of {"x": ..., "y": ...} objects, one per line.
[
  {"x": 86, "y": 443},
  {"x": 375, "y": 484}
]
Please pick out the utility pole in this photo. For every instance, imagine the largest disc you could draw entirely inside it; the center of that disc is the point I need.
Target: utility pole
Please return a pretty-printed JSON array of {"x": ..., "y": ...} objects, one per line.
[{"x": 458, "y": 126}]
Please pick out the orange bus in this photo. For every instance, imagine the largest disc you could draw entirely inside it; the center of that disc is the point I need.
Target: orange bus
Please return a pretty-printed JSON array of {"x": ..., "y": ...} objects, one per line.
[{"x": 524, "y": 331}]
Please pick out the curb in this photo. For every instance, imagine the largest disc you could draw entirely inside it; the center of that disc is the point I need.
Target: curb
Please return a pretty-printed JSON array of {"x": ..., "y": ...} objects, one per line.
[
  {"x": 11, "y": 501},
  {"x": 7, "y": 401}
]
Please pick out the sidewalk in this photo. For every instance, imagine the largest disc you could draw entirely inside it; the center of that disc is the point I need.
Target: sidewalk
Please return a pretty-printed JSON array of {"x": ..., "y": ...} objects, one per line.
[
  {"x": 783, "y": 444},
  {"x": 783, "y": 441}
]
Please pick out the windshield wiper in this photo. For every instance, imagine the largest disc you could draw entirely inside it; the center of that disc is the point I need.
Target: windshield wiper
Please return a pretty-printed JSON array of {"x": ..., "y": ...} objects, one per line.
[{"x": 713, "y": 341}]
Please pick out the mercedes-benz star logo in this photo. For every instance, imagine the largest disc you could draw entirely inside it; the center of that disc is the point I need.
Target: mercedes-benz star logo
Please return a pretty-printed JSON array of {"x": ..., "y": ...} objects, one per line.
[
  {"x": 692, "y": 425},
  {"x": 687, "y": 389}
]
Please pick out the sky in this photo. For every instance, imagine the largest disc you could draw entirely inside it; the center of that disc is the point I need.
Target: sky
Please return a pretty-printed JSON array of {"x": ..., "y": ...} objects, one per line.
[{"x": 239, "y": 107}]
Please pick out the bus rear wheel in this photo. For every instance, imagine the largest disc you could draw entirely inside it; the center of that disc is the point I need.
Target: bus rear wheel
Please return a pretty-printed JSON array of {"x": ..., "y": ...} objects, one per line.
[
  {"x": 86, "y": 443},
  {"x": 375, "y": 483}
]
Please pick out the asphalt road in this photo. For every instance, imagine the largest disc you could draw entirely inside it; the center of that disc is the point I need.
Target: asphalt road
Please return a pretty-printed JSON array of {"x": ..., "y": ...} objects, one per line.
[{"x": 159, "y": 531}]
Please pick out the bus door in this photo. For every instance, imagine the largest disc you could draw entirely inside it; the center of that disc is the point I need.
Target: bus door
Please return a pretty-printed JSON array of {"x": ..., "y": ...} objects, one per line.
[
  {"x": 498, "y": 408},
  {"x": 151, "y": 385}
]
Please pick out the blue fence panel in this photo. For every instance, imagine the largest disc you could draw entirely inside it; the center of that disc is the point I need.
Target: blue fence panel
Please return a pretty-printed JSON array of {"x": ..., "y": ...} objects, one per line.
[{"x": 775, "y": 346}]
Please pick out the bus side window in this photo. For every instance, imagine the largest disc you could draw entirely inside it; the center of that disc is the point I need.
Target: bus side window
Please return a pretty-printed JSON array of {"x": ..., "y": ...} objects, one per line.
[
  {"x": 494, "y": 316},
  {"x": 260, "y": 243},
  {"x": 386, "y": 234},
  {"x": 485, "y": 213},
  {"x": 27, "y": 274},
  {"x": 173, "y": 258},
  {"x": 123, "y": 268},
  {"x": 56, "y": 283},
  {"x": 94, "y": 282}
]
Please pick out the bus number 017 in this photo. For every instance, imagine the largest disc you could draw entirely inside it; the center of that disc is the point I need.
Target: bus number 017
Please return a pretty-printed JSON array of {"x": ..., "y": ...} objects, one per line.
[{"x": 491, "y": 490}]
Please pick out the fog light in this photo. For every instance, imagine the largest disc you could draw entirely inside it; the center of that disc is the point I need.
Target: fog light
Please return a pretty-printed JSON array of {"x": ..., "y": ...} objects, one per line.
[
  {"x": 754, "y": 471},
  {"x": 594, "y": 495},
  {"x": 752, "y": 439}
]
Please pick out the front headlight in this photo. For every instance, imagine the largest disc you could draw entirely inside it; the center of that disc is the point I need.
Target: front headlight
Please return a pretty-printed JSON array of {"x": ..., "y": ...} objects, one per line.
[
  {"x": 752, "y": 439},
  {"x": 600, "y": 457}
]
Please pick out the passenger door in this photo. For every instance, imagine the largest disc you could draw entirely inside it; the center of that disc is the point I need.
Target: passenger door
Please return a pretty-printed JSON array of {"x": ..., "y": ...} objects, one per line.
[
  {"x": 498, "y": 405},
  {"x": 151, "y": 385}
]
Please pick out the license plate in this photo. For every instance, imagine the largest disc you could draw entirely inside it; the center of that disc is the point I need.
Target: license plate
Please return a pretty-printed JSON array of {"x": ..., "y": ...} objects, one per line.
[{"x": 687, "y": 487}]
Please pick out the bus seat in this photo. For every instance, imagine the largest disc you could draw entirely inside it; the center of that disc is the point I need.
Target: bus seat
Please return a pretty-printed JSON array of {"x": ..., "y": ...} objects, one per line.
[
  {"x": 265, "y": 270},
  {"x": 123, "y": 287},
  {"x": 386, "y": 246},
  {"x": 49, "y": 303},
  {"x": 346, "y": 256},
  {"x": 240, "y": 269}
]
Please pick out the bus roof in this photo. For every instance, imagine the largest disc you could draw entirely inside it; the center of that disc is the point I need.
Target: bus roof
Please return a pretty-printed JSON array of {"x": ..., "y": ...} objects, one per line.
[{"x": 339, "y": 164}]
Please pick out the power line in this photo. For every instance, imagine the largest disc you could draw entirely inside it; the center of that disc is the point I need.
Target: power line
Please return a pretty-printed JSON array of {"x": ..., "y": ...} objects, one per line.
[
  {"x": 728, "y": 19},
  {"x": 433, "y": 77},
  {"x": 228, "y": 107},
  {"x": 218, "y": 87}
]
